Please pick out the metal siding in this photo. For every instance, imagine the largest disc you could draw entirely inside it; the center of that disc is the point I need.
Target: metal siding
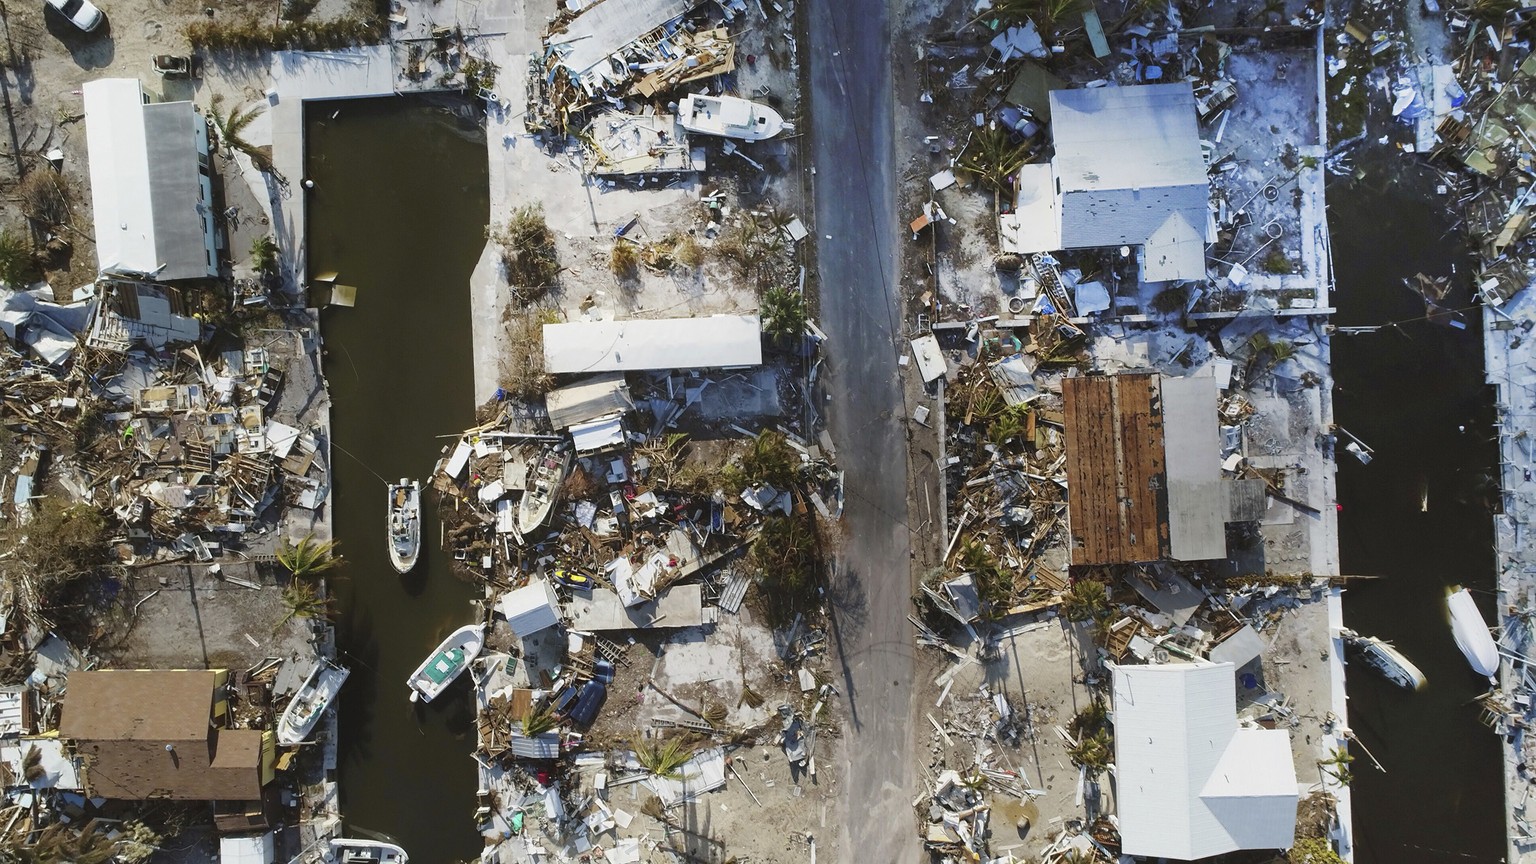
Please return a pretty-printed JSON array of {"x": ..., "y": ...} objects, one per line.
[{"x": 1197, "y": 503}]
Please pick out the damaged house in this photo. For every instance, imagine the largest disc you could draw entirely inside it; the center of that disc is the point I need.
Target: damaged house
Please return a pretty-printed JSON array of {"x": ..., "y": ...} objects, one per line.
[
  {"x": 1144, "y": 467},
  {"x": 1129, "y": 170}
]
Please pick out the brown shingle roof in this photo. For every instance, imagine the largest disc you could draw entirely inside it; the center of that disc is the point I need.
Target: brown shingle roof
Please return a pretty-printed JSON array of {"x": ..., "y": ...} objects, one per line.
[
  {"x": 139, "y": 704},
  {"x": 1115, "y": 471}
]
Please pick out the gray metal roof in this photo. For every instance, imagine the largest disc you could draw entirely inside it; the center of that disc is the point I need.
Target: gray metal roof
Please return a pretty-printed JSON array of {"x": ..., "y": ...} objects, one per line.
[
  {"x": 1127, "y": 158},
  {"x": 1197, "y": 503},
  {"x": 171, "y": 142},
  {"x": 603, "y": 29}
]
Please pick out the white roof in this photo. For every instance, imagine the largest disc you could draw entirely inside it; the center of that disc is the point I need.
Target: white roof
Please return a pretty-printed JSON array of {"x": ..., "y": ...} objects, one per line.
[
  {"x": 1190, "y": 783},
  {"x": 247, "y": 849},
  {"x": 1034, "y": 225},
  {"x": 605, "y": 27},
  {"x": 661, "y": 343},
  {"x": 531, "y": 608},
  {"x": 588, "y": 399},
  {"x": 599, "y": 434},
  {"x": 930, "y": 359},
  {"x": 145, "y": 186},
  {"x": 1126, "y": 159}
]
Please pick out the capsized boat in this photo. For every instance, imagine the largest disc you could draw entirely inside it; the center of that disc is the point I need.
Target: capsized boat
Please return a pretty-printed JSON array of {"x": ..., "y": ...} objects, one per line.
[
  {"x": 310, "y": 702},
  {"x": 545, "y": 476},
  {"x": 404, "y": 524},
  {"x": 344, "y": 851},
  {"x": 1384, "y": 658},
  {"x": 447, "y": 662},
  {"x": 1471, "y": 632}
]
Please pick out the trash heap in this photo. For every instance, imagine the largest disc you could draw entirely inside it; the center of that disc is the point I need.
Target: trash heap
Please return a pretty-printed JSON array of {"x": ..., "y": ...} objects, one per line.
[{"x": 605, "y": 53}]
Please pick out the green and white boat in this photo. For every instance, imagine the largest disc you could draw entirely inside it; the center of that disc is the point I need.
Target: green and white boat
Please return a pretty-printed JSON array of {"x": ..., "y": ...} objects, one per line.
[{"x": 446, "y": 663}]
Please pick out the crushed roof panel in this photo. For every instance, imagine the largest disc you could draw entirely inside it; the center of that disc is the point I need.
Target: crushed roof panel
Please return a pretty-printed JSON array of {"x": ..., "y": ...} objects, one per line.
[{"x": 1114, "y": 428}]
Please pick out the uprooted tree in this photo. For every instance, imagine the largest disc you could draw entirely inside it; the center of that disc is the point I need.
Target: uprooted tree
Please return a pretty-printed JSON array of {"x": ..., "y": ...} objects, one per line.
[
  {"x": 528, "y": 253},
  {"x": 788, "y": 556},
  {"x": 59, "y": 566}
]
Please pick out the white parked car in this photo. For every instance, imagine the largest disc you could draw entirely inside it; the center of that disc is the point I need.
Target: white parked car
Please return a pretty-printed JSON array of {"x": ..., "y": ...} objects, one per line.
[{"x": 81, "y": 13}]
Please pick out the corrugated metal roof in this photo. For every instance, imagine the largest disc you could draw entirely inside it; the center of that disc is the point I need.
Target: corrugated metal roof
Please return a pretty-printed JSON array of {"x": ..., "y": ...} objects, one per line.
[
  {"x": 1126, "y": 159},
  {"x": 1197, "y": 505},
  {"x": 661, "y": 343},
  {"x": 145, "y": 186},
  {"x": 1190, "y": 784},
  {"x": 588, "y": 399}
]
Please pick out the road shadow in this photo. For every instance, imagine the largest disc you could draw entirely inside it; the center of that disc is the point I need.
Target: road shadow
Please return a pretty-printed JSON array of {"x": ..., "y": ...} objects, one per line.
[{"x": 93, "y": 50}]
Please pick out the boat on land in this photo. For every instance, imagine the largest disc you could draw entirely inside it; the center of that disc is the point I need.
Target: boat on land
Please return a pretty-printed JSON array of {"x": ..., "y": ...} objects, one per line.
[
  {"x": 1470, "y": 630},
  {"x": 404, "y": 524},
  {"x": 545, "y": 477},
  {"x": 729, "y": 117},
  {"x": 343, "y": 851},
  {"x": 446, "y": 663},
  {"x": 1386, "y": 659},
  {"x": 310, "y": 702}
]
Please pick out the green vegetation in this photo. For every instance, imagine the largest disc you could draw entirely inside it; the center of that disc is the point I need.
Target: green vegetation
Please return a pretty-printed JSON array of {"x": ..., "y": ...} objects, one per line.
[
  {"x": 787, "y": 555},
  {"x": 253, "y": 35},
  {"x": 1094, "y": 751},
  {"x": 1171, "y": 300},
  {"x": 308, "y": 557},
  {"x": 538, "y": 722},
  {"x": 994, "y": 584},
  {"x": 992, "y": 157},
  {"x": 1314, "y": 850},
  {"x": 231, "y": 128},
  {"x": 1086, "y": 600},
  {"x": 1337, "y": 766},
  {"x": 301, "y": 600},
  {"x": 16, "y": 266},
  {"x": 756, "y": 248},
  {"x": 624, "y": 260},
  {"x": 783, "y": 313},
  {"x": 528, "y": 253},
  {"x": 61, "y": 559},
  {"x": 768, "y": 459},
  {"x": 663, "y": 759},
  {"x": 264, "y": 256}
]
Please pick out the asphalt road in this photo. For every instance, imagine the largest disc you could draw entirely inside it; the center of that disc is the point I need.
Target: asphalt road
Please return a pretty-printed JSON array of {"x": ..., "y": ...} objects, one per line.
[{"x": 855, "y": 189}]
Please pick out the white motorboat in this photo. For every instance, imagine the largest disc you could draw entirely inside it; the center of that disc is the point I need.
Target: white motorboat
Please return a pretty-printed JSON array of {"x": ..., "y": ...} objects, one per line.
[
  {"x": 447, "y": 662},
  {"x": 1470, "y": 630},
  {"x": 728, "y": 117},
  {"x": 1386, "y": 659},
  {"x": 545, "y": 476},
  {"x": 344, "y": 851},
  {"x": 404, "y": 524},
  {"x": 310, "y": 702}
]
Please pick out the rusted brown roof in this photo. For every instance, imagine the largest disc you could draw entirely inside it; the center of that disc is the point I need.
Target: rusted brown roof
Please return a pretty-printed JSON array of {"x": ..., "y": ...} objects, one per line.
[{"x": 1115, "y": 473}]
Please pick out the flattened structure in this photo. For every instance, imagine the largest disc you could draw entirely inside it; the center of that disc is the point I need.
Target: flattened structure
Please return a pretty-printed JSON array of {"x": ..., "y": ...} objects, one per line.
[{"x": 1114, "y": 468}]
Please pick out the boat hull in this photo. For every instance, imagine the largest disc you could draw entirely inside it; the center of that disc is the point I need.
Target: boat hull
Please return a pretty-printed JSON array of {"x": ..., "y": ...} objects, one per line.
[
  {"x": 546, "y": 479},
  {"x": 446, "y": 663},
  {"x": 1387, "y": 660},
  {"x": 1470, "y": 630},
  {"x": 310, "y": 703},
  {"x": 404, "y": 525},
  {"x": 345, "y": 851}
]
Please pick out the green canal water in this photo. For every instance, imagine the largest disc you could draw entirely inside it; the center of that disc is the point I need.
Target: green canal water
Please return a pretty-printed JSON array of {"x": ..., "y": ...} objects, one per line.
[{"x": 398, "y": 210}]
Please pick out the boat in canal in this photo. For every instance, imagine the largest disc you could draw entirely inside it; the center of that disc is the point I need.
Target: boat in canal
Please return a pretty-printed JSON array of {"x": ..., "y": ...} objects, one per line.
[
  {"x": 404, "y": 524},
  {"x": 1470, "y": 630},
  {"x": 310, "y": 702},
  {"x": 545, "y": 477},
  {"x": 1386, "y": 659},
  {"x": 344, "y": 851},
  {"x": 447, "y": 662}
]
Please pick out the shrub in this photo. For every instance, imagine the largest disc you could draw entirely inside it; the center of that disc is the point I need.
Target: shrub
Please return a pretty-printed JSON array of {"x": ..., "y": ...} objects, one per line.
[
  {"x": 624, "y": 260},
  {"x": 528, "y": 253},
  {"x": 16, "y": 267}
]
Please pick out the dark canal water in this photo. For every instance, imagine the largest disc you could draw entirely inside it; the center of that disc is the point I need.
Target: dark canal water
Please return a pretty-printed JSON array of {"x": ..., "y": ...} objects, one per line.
[
  {"x": 398, "y": 210},
  {"x": 1405, "y": 392}
]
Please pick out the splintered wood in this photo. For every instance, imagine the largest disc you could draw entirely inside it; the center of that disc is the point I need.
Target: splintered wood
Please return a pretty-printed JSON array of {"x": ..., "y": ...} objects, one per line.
[{"x": 1114, "y": 468}]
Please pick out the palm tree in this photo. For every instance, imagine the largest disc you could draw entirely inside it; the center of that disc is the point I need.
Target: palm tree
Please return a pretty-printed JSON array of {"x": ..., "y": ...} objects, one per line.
[
  {"x": 1337, "y": 766},
  {"x": 308, "y": 557},
  {"x": 232, "y": 125},
  {"x": 302, "y": 601},
  {"x": 993, "y": 157},
  {"x": 1094, "y": 751},
  {"x": 1046, "y": 13},
  {"x": 783, "y": 313},
  {"x": 1086, "y": 600},
  {"x": 663, "y": 760},
  {"x": 538, "y": 722}
]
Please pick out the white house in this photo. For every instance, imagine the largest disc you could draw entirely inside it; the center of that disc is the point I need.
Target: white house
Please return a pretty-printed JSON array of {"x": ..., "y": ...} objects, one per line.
[
  {"x": 1191, "y": 782},
  {"x": 150, "y": 186},
  {"x": 531, "y": 608},
  {"x": 1128, "y": 171}
]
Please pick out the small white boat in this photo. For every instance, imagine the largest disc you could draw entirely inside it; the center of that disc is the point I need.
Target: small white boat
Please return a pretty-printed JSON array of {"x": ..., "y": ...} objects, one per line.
[
  {"x": 1471, "y": 632},
  {"x": 728, "y": 117},
  {"x": 404, "y": 524},
  {"x": 447, "y": 662},
  {"x": 545, "y": 476},
  {"x": 344, "y": 851},
  {"x": 310, "y": 702},
  {"x": 1384, "y": 658}
]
